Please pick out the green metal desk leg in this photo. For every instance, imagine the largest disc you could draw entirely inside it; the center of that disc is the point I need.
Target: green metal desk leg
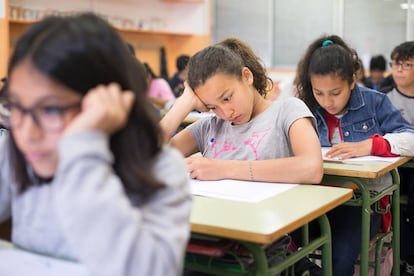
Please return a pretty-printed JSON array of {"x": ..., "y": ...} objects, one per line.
[
  {"x": 305, "y": 234},
  {"x": 365, "y": 225},
  {"x": 327, "y": 246},
  {"x": 325, "y": 241},
  {"x": 259, "y": 258},
  {"x": 396, "y": 223},
  {"x": 365, "y": 204},
  {"x": 378, "y": 251}
]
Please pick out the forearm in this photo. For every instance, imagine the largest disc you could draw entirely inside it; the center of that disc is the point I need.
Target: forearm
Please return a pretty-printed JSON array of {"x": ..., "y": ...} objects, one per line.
[
  {"x": 290, "y": 170},
  {"x": 158, "y": 102},
  {"x": 172, "y": 120}
]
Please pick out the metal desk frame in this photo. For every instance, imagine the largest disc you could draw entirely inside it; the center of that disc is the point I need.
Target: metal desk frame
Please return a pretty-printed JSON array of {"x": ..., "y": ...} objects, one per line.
[
  {"x": 257, "y": 224},
  {"x": 260, "y": 260},
  {"x": 365, "y": 200}
]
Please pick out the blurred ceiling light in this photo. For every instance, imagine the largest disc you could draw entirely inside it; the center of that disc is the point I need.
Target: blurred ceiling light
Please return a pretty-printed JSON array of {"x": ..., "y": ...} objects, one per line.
[{"x": 404, "y": 6}]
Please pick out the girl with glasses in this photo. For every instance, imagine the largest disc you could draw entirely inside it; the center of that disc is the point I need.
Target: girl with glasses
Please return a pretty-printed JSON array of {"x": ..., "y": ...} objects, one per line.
[
  {"x": 84, "y": 173},
  {"x": 402, "y": 97}
]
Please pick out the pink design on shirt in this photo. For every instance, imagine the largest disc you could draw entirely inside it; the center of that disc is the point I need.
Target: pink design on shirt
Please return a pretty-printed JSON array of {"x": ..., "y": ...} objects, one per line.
[
  {"x": 227, "y": 146},
  {"x": 255, "y": 140}
]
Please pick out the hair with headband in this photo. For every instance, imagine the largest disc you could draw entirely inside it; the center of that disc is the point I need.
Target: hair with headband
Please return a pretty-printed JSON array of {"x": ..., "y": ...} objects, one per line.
[
  {"x": 337, "y": 59},
  {"x": 326, "y": 42}
]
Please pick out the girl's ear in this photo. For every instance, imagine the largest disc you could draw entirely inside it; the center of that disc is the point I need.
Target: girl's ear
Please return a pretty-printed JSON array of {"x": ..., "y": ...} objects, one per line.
[{"x": 247, "y": 75}]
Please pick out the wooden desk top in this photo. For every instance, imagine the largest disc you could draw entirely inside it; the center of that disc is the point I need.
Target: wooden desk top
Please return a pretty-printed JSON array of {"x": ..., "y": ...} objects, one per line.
[
  {"x": 363, "y": 169},
  {"x": 268, "y": 220},
  {"x": 194, "y": 116}
]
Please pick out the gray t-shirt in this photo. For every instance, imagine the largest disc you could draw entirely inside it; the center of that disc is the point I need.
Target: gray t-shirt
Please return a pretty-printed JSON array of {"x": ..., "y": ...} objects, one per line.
[
  {"x": 403, "y": 103},
  {"x": 264, "y": 137}
]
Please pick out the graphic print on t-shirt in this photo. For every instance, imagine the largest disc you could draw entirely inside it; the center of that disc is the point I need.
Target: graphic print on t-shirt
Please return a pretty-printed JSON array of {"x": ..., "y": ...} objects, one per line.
[{"x": 250, "y": 144}]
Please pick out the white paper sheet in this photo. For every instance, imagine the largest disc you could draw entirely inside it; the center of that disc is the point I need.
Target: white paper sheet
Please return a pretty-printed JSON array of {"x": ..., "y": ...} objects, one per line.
[
  {"x": 14, "y": 262},
  {"x": 368, "y": 158},
  {"x": 236, "y": 190}
]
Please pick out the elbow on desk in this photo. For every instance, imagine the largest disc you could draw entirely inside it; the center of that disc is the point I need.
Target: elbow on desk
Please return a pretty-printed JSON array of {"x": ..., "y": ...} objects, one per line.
[{"x": 313, "y": 173}]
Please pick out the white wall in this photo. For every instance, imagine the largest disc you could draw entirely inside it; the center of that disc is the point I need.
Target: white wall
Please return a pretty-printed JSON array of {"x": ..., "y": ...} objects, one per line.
[{"x": 281, "y": 30}]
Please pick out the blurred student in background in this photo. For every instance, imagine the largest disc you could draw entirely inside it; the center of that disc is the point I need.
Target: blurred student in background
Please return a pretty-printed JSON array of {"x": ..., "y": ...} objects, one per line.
[
  {"x": 361, "y": 79},
  {"x": 377, "y": 67},
  {"x": 159, "y": 92},
  {"x": 177, "y": 80},
  {"x": 402, "y": 97}
]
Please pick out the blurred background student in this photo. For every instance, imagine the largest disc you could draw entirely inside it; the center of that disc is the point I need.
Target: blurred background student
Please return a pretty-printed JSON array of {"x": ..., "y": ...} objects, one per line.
[
  {"x": 361, "y": 79},
  {"x": 377, "y": 67},
  {"x": 159, "y": 92},
  {"x": 402, "y": 97},
  {"x": 177, "y": 80}
]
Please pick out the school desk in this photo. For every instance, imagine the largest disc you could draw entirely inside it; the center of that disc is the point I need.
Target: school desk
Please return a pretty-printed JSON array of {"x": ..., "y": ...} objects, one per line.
[
  {"x": 356, "y": 171},
  {"x": 257, "y": 224},
  {"x": 194, "y": 116}
]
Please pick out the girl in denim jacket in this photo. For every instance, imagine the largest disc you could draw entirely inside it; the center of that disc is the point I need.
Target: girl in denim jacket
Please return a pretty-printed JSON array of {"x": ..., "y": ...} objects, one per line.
[{"x": 355, "y": 121}]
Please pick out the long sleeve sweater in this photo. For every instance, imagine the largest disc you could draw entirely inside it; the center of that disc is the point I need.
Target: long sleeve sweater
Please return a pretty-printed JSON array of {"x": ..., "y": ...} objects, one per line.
[{"x": 85, "y": 215}]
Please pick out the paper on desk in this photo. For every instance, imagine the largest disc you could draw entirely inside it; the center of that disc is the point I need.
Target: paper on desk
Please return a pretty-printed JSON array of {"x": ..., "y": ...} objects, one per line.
[
  {"x": 15, "y": 262},
  {"x": 237, "y": 190},
  {"x": 368, "y": 158}
]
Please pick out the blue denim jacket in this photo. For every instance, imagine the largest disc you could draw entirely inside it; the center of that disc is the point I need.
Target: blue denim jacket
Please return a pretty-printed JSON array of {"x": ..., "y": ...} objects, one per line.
[{"x": 368, "y": 112}]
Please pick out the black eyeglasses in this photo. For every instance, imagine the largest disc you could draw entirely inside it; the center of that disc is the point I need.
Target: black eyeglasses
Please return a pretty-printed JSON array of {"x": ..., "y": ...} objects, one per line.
[
  {"x": 46, "y": 116},
  {"x": 403, "y": 65}
]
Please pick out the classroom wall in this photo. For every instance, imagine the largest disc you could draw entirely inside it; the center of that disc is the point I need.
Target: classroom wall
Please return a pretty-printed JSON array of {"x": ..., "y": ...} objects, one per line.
[
  {"x": 280, "y": 30},
  {"x": 179, "y": 27},
  {"x": 155, "y": 15}
]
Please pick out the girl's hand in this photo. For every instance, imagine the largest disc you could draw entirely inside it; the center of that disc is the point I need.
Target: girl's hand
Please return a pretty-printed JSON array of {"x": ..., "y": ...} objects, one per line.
[
  {"x": 350, "y": 149},
  {"x": 104, "y": 108},
  {"x": 189, "y": 95},
  {"x": 202, "y": 168}
]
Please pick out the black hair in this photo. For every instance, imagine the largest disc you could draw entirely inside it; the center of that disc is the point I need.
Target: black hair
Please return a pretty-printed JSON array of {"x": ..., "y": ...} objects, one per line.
[
  {"x": 131, "y": 48},
  {"x": 181, "y": 62},
  {"x": 3, "y": 85},
  {"x": 326, "y": 55},
  {"x": 3, "y": 98},
  {"x": 403, "y": 52},
  {"x": 228, "y": 57},
  {"x": 378, "y": 63},
  {"x": 82, "y": 52}
]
